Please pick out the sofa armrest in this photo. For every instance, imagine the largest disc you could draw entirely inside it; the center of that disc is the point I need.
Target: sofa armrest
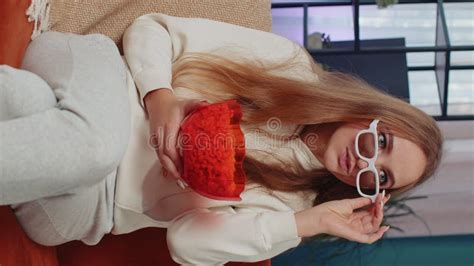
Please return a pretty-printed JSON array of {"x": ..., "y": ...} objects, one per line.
[
  {"x": 112, "y": 17},
  {"x": 145, "y": 247},
  {"x": 15, "y": 31},
  {"x": 17, "y": 249}
]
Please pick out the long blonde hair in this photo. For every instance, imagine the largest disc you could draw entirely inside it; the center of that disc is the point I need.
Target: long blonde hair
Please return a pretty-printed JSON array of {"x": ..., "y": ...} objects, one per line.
[{"x": 330, "y": 98}]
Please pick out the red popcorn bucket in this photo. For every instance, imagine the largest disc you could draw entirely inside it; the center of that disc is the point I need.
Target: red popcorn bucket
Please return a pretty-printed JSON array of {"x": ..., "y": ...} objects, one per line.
[{"x": 213, "y": 150}]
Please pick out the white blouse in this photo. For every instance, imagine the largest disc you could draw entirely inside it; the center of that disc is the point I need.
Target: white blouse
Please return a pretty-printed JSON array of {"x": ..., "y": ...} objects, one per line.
[{"x": 202, "y": 231}]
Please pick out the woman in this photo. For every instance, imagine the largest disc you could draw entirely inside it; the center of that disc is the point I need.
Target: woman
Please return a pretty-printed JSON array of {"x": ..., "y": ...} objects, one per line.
[{"x": 297, "y": 169}]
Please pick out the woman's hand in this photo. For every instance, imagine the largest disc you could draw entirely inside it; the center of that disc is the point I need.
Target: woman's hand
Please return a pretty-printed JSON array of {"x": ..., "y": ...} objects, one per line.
[
  {"x": 166, "y": 112},
  {"x": 344, "y": 218}
]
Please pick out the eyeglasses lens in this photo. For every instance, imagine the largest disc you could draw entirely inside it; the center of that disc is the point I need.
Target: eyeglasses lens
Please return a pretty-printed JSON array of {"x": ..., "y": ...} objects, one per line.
[
  {"x": 367, "y": 182},
  {"x": 367, "y": 145},
  {"x": 367, "y": 149}
]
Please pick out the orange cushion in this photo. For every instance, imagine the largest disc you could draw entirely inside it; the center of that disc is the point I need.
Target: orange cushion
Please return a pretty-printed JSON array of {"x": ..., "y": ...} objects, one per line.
[
  {"x": 17, "y": 249},
  {"x": 15, "y": 31},
  {"x": 15, "y": 246},
  {"x": 143, "y": 247}
]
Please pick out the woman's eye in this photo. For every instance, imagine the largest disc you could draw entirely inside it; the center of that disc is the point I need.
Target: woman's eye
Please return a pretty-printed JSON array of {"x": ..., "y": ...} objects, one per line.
[
  {"x": 383, "y": 177},
  {"x": 382, "y": 140}
]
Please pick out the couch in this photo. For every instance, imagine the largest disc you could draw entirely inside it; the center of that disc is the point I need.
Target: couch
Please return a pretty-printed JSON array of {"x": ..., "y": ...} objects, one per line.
[{"x": 110, "y": 17}]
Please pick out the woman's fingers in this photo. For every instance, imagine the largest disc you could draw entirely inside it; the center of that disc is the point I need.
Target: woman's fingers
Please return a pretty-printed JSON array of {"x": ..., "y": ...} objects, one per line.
[
  {"x": 379, "y": 210},
  {"x": 371, "y": 238},
  {"x": 168, "y": 164},
  {"x": 180, "y": 151},
  {"x": 171, "y": 132},
  {"x": 156, "y": 139},
  {"x": 359, "y": 202},
  {"x": 171, "y": 137},
  {"x": 360, "y": 214},
  {"x": 369, "y": 220},
  {"x": 163, "y": 140},
  {"x": 363, "y": 221},
  {"x": 359, "y": 234},
  {"x": 369, "y": 226},
  {"x": 373, "y": 223},
  {"x": 385, "y": 200}
]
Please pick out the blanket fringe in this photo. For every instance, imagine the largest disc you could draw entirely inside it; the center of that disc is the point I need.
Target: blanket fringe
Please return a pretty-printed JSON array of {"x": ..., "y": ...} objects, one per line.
[{"x": 39, "y": 13}]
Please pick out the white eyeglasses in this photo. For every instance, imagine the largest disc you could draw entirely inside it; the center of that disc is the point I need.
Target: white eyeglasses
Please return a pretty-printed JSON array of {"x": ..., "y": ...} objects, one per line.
[{"x": 367, "y": 147}]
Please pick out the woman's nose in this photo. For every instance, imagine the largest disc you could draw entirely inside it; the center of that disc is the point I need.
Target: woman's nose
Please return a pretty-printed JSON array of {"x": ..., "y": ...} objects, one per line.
[{"x": 362, "y": 164}]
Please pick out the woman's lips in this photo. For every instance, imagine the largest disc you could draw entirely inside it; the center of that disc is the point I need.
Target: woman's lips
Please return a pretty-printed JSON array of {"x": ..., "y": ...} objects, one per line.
[
  {"x": 343, "y": 161},
  {"x": 348, "y": 161}
]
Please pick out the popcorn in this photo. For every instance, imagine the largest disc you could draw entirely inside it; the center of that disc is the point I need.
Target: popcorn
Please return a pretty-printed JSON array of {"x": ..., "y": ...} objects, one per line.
[{"x": 213, "y": 148}]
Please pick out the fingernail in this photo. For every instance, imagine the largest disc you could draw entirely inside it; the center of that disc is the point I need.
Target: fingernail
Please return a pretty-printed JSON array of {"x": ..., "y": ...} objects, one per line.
[
  {"x": 386, "y": 228},
  {"x": 180, "y": 184}
]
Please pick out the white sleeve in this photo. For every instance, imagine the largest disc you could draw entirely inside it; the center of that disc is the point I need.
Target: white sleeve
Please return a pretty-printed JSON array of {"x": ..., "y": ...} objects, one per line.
[
  {"x": 155, "y": 41},
  {"x": 215, "y": 237},
  {"x": 148, "y": 51}
]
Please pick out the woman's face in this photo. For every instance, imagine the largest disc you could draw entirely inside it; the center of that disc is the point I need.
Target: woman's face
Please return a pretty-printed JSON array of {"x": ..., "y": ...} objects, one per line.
[{"x": 401, "y": 161}]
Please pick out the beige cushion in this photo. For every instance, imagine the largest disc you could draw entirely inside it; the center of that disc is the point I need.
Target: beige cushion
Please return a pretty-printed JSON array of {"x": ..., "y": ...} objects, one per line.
[{"x": 112, "y": 17}]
